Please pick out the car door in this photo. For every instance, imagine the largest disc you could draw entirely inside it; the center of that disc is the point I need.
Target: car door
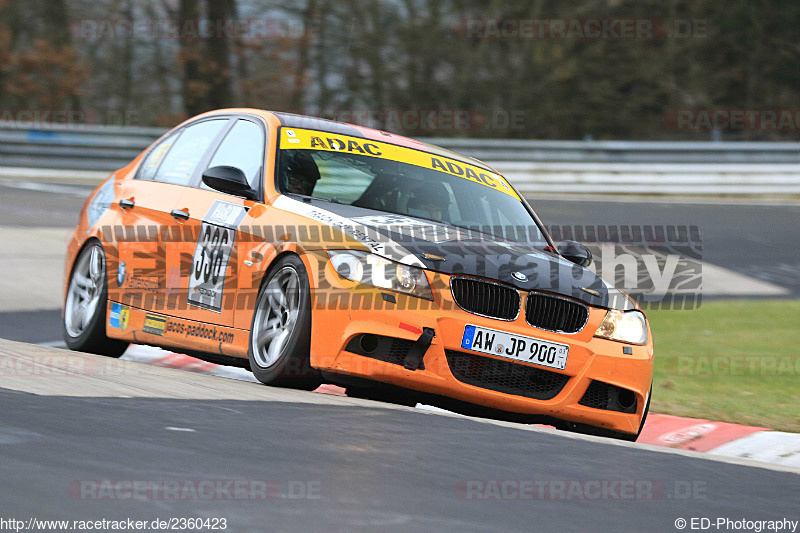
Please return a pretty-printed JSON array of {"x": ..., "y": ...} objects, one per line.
[
  {"x": 209, "y": 265},
  {"x": 153, "y": 213}
]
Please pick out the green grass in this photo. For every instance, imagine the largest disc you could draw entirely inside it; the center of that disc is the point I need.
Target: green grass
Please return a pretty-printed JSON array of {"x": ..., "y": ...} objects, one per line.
[{"x": 696, "y": 353}]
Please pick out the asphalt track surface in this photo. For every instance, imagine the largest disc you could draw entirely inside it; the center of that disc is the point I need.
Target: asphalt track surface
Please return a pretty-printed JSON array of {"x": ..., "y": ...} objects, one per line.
[
  {"x": 31, "y": 326},
  {"x": 758, "y": 240},
  {"x": 373, "y": 466},
  {"x": 359, "y": 468},
  {"x": 334, "y": 463}
]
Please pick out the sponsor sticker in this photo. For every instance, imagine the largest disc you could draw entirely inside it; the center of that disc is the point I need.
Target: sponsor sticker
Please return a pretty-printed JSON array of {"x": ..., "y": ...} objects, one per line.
[
  {"x": 319, "y": 140},
  {"x": 390, "y": 220},
  {"x": 359, "y": 232},
  {"x": 143, "y": 284},
  {"x": 121, "y": 274},
  {"x": 119, "y": 316},
  {"x": 199, "y": 330},
  {"x": 292, "y": 137},
  {"x": 346, "y": 225},
  {"x": 416, "y": 229},
  {"x": 212, "y": 254},
  {"x": 154, "y": 324},
  {"x": 225, "y": 214}
]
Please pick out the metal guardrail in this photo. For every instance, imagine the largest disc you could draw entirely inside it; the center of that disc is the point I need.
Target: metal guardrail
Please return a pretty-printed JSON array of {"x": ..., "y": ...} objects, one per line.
[
  {"x": 615, "y": 167},
  {"x": 624, "y": 151},
  {"x": 73, "y": 147}
]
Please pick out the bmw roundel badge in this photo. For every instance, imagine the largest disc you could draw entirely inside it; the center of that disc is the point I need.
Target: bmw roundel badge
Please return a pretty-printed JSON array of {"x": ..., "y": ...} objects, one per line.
[{"x": 519, "y": 276}]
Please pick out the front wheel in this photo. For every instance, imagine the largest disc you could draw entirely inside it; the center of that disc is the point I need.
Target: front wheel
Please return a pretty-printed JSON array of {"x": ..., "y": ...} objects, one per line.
[
  {"x": 280, "y": 335},
  {"x": 83, "y": 323}
]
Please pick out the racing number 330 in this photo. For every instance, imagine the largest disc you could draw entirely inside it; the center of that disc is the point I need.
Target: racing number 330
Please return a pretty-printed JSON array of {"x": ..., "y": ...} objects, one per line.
[
  {"x": 210, "y": 263},
  {"x": 207, "y": 265}
]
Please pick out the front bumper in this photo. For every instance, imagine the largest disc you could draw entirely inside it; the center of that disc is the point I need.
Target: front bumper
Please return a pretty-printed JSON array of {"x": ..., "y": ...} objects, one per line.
[{"x": 344, "y": 312}]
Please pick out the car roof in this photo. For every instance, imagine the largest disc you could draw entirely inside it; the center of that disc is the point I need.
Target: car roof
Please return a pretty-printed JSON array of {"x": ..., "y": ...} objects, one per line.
[{"x": 292, "y": 120}]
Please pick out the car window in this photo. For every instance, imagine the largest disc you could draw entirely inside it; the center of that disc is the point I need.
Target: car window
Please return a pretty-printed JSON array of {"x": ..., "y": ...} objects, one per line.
[
  {"x": 401, "y": 188},
  {"x": 155, "y": 157},
  {"x": 243, "y": 148},
  {"x": 184, "y": 154},
  {"x": 342, "y": 181}
]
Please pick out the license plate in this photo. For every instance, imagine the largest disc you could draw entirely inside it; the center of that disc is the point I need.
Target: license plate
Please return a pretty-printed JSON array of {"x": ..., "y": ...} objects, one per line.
[{"x": 517, "y": 347}]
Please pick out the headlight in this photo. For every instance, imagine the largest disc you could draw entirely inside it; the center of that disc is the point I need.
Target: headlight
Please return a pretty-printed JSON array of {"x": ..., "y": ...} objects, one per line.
[
  {"x": 371, "y": 269},
  {"x": 629, "y": 326}
]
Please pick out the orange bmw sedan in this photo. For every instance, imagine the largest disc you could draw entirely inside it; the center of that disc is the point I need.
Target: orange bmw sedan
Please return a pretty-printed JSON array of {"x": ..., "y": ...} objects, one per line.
[{"x": 314, "y": 251}]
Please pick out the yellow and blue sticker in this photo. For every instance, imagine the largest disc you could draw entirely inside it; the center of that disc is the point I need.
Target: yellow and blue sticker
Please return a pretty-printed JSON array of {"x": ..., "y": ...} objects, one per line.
[
  {"x": 154, "y": 324},
  {"x": 119, "y": 316}
]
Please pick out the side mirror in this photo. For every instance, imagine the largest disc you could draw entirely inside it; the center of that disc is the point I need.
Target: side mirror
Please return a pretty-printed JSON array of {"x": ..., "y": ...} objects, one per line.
[
  {"x": 229, "y": 180},
  {"x": 575, "y": 252}
]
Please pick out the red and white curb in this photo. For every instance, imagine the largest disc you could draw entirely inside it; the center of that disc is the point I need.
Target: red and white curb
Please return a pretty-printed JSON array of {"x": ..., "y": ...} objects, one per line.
[
  {"x": 717, "y": 438},
  {"x": 722, "y": 438}
]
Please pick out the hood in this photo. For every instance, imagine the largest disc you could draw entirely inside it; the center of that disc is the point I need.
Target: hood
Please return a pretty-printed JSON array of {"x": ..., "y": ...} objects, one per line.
[{"x": 452, "y": 250}]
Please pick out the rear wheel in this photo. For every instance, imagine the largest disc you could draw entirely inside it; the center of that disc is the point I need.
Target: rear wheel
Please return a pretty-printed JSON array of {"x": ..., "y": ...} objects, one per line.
[
  {"x": 83, "y": 323},
  {"x": 280, "y": 335}
]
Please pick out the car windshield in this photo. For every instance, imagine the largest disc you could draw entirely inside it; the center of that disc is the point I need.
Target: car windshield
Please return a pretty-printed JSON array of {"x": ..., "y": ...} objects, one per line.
[{"x": 485, "y": 203}]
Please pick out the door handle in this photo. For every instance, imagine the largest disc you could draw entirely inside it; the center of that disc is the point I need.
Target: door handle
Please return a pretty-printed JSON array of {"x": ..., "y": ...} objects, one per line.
[
  {"x": 126, "y": 204},
  {"x": 179, "y": 213}
]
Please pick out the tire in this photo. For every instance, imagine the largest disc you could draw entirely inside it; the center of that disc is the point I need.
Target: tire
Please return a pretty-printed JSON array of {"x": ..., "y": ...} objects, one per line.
[
  {"x": 280, "y": 333},
  {"x": 646, "y": 411},
  {"x": 83, "y": 322}
]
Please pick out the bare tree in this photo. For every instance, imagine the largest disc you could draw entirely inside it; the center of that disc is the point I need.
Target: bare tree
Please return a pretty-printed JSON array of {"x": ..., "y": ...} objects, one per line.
[{"x": 194, "y": 88}]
